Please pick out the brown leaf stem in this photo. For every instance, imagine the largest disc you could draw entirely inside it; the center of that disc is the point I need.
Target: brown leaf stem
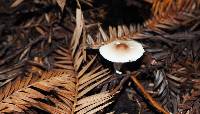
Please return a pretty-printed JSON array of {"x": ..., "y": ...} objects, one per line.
[{"x": 148, "y": 97}]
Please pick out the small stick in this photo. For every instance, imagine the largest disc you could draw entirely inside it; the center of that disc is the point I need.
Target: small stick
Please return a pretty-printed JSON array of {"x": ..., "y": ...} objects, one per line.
[{"x": 148, "y": 97}]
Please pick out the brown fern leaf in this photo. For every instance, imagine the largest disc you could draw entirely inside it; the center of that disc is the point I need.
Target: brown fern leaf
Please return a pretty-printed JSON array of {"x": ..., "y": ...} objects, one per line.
[
  {"x": 85, "y": 105},
  {"x": 63, "y": 60},
  {"x": 33, "y": 95},
  {"x": 61, "y": 93},
  {"x": 64, "y": 89},
  {"x": 164, "y": 90},
  {"x": 122, "y": 32},
  {"x": 170, "y": 21},
  {"x": 22, "y": 81},
  {"x": 84, "y": 77},
  {"x": 159, "y": 24},
  {"x": 89, "y": 75},
  {"x": 76, "y": 39},
  {"x": 162, "y": 6},
  {"x": 19, "y": 79},
  {"x": 177, "y": 89},
  {"x": 21, "y": 75},
  {"x": 25, "y": 66}
]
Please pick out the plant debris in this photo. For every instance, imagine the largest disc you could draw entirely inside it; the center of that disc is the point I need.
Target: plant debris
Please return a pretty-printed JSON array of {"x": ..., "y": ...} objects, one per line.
[{"x": 50, "y": 60}]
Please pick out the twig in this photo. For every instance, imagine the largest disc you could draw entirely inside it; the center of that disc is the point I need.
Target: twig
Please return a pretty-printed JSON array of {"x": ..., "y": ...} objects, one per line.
[{"x": 148, "y": 97}]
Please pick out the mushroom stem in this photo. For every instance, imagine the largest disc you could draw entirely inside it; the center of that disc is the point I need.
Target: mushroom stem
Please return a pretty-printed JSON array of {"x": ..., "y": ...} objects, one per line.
[{"x": 117, "y": 67}]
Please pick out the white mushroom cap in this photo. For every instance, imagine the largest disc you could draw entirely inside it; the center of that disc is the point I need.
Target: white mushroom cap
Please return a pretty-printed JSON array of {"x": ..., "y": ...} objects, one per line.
[{"x": 121, "y": 51}]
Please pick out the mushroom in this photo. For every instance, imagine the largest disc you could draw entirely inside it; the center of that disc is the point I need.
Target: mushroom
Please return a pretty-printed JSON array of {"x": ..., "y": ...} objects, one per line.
[{"x": 121, "y": 51}]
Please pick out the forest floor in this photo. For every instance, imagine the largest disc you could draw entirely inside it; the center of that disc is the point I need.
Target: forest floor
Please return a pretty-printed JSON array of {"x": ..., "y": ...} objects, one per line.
[{"x": 64, "y": 36}]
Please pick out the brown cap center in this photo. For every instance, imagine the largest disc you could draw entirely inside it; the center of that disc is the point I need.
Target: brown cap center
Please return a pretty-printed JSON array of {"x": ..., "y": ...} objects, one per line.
[{"x": 122, "y": 47}]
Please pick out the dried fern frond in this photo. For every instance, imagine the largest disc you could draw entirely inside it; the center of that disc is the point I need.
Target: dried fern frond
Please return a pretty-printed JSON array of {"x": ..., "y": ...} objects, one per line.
[
  {"x": 63, "y": 89},
  {"x": 86, "y": 80},
  {"x": 170, "y": 88},
  {"x": 21, "y": 80},
  {"x": 122, "y": 32},
  {"x": 76, "y": 39},
  {"x": 92, "y": 104},
  {"x": 164, "y": 23},
  {"x": 159, "y": 25},
  {"x": 63, "y": 60},
  {"x": 162, "y": 91},
  {"x": 33, "y": 95},
  {"x": 162, "y": 6},
  {"x": 61, "y": 93}
]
